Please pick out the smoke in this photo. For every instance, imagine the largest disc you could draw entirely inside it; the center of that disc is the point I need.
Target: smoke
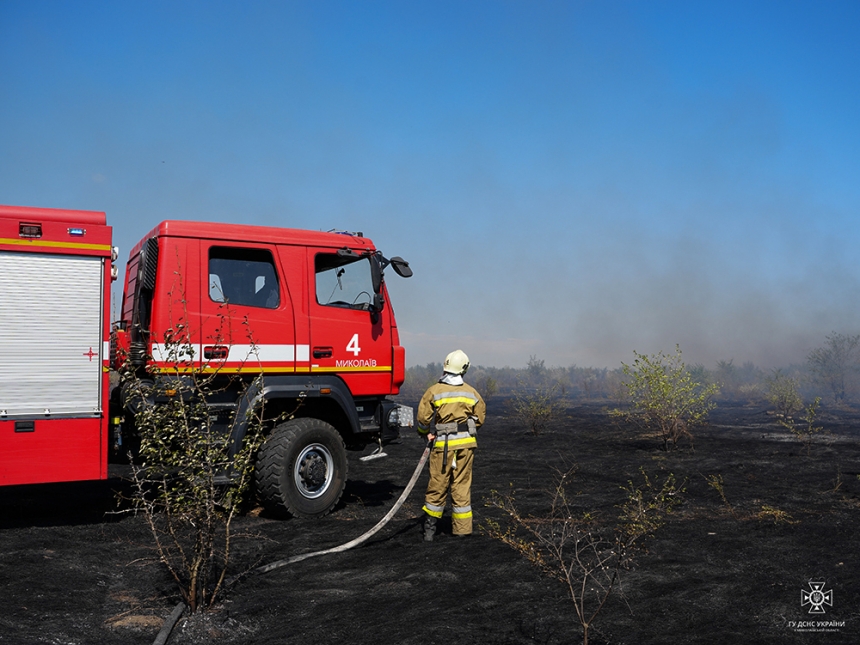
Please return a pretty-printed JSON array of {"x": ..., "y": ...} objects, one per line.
[
  {"x": 754, "y": 284},
  {"x": 575, "y": 182}
]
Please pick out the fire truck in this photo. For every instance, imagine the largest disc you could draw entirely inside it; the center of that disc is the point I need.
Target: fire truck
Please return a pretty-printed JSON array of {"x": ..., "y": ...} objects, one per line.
[{"x": 296, "y": 322}]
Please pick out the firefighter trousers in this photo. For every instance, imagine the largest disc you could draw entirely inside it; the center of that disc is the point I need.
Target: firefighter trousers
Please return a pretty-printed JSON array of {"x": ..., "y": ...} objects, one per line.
[{"x": 457, "y": 478}]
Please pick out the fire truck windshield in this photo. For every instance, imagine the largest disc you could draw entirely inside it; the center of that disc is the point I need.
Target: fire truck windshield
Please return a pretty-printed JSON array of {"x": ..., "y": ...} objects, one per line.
[{"x": 344, "y": 281}]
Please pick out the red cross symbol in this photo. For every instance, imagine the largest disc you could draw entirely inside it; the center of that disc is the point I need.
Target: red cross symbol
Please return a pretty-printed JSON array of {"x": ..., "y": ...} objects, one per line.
[{"x": 90, "y": 353}]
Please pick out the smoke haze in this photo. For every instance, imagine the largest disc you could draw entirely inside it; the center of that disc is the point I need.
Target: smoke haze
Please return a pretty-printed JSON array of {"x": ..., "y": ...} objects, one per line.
[{"x": 573, "y": 181}]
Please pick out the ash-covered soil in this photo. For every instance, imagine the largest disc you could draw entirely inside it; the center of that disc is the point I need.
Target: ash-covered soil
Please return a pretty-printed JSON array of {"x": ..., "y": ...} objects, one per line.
[{"x": 718, "y": 572}]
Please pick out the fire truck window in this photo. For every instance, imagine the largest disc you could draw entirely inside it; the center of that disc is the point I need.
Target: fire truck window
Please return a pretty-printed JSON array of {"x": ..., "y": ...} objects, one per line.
[
  {"x": 343, "y": 282},
  {"x": 243, "y": 277}
]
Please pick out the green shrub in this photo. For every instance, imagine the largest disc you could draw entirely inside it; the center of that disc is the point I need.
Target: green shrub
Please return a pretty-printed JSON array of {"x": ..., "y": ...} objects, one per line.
[
  {"x": 536, "y": 408},
  {"x": 664, "y": 397},
  {"x": 807, "y": 433},
  {"x": 783, "y": 394}
]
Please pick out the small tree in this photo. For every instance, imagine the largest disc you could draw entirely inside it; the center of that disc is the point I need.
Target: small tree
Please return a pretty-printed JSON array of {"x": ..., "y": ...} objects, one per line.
[
  {"x": 834, "y": 364},
  {"x": 575, "y": 548},
  {"x": 727, "y": 377},
  {"x": 664, "y": 397},
  {"x": 488, "y": 387},
  {"x": 806, "y": 433},
  {"x": 716, "y": 482},
  {"x": 783, "y": 394},
  {"x": 189, "y": 483},
  {"x": 536, "y": 371},
  {"x": 536, "y": 408}
]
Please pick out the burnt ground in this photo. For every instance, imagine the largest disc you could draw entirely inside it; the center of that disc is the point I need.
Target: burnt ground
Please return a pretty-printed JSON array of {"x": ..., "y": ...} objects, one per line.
[{"x": 69, "y": 574}]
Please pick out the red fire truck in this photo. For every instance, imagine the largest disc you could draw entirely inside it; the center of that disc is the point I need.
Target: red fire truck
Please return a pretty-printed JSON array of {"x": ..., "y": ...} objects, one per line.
[
  {"x": 307, "y": 310},
  {"x": 55, "y": 271}
]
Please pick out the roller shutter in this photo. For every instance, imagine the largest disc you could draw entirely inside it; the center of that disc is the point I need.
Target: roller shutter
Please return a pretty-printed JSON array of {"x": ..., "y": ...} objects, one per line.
[{"x": 50, "y": 334}]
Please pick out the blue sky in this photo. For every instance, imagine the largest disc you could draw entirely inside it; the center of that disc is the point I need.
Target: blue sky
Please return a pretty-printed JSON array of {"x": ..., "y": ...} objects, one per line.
[{"x": 570, "y": 180}]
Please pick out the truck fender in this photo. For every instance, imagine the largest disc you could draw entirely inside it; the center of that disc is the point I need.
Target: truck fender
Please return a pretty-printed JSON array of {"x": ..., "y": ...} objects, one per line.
[{"x": 289, "y": 386}]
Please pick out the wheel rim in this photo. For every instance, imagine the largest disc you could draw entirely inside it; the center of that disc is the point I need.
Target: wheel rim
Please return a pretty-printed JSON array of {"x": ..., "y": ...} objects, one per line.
[{"x": 313, "y": 471}]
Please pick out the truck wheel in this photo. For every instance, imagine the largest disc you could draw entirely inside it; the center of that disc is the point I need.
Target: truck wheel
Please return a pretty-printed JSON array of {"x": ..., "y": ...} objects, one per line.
[{"x": 301, "y": 468}]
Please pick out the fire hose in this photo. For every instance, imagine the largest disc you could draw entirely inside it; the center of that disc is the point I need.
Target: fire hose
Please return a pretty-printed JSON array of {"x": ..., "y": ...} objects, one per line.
[
  {"x": 164, "y": 634},
  {"x": 361, "y": 538}
]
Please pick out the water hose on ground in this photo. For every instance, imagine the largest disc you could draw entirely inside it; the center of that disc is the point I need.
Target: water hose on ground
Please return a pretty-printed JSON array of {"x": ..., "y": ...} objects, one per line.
[
  {"x": 164, "y": 634},
  {"x": 361, "y": 538},
  {"x": 167, "y": 627}
]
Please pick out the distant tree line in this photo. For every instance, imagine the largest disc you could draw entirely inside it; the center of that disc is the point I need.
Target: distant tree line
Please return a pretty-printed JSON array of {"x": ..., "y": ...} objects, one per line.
[
  {"x": 573, "y": 382},
  {"x": 831, "y": 371}
]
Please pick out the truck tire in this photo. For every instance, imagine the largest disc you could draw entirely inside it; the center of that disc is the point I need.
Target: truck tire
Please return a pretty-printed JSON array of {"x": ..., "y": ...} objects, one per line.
[{"x": 301, "y": 468}]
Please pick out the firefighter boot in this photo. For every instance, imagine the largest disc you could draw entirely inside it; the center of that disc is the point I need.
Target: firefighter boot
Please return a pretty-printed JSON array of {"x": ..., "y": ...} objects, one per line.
[{"x": 429, "y": 528}]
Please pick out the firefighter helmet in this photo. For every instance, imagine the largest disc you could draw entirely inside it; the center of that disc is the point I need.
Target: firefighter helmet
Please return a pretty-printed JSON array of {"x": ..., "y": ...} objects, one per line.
[{"x": 456, "y": 362}]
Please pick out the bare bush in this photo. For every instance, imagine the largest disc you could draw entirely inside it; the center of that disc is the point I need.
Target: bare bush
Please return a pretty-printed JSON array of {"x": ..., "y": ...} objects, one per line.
[
  {"x": 572, "y": 546},
  {"x": 835, "y": 365}
]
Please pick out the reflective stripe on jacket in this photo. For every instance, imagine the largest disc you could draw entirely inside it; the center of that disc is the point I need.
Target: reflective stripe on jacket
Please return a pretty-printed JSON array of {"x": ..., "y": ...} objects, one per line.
[{"x": 444, "y": 404}]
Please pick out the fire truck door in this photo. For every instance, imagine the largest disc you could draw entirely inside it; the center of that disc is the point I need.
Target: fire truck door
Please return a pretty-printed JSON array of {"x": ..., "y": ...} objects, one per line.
[
  {"x": 348, "y": 336},
  {"x": 247, "y": 317}
]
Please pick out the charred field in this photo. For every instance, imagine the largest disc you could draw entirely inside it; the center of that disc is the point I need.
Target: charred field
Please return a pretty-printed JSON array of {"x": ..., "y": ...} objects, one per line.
[{"x": 722, "y": 568}]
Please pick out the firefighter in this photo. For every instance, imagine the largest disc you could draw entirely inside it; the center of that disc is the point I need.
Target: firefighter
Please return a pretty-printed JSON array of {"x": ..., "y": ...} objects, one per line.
[{"x": 449, "y": 414}]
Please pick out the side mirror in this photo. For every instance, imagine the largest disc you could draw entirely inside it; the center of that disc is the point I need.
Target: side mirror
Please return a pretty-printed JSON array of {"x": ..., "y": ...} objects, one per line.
[{"x": 401, "y": 267}]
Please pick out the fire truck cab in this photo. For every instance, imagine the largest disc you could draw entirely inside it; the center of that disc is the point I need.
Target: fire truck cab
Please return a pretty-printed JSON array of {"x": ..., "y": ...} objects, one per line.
[{"x": 307, "y": 310}]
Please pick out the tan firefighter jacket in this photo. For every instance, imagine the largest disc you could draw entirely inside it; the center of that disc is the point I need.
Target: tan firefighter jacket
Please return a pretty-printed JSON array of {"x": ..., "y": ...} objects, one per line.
[{"x": 446, "y": 410}]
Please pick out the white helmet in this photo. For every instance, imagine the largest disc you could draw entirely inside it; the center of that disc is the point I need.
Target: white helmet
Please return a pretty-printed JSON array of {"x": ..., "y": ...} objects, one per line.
[{"x": 456, "y": 362}]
